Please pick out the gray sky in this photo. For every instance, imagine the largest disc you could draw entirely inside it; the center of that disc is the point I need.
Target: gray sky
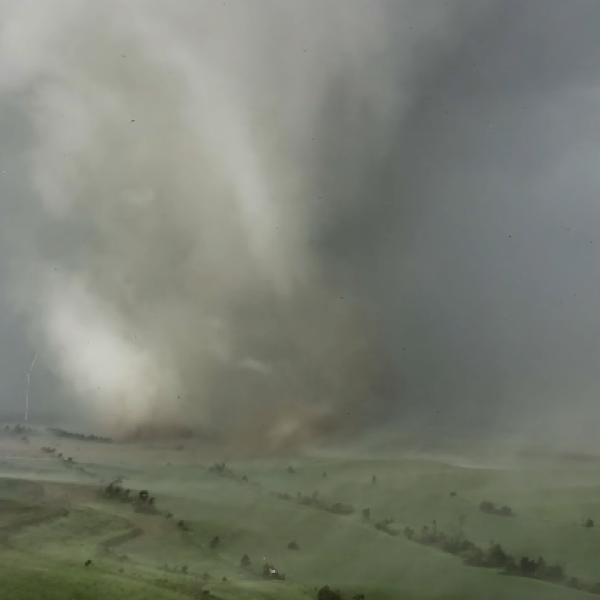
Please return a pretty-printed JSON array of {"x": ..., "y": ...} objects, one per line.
[{"x": 438, "y": 164}]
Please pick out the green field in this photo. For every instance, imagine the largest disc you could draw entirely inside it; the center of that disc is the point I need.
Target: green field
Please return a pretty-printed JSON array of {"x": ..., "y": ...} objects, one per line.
[{"x": 46, "y": 540}]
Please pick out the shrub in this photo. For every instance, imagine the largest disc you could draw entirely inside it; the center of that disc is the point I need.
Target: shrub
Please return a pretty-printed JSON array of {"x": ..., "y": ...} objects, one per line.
[{"x": 326, "y": 593}]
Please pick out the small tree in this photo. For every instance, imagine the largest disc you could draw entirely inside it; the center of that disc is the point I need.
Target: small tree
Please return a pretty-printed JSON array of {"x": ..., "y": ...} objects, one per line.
[{"x": 326, "y": 593}]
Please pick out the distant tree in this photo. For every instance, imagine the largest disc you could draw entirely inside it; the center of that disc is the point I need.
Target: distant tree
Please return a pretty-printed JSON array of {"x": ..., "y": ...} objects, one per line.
[
  {"x": 214, "y": 542},
  {"x": 326, "y": 593},
  {"x": 293, "y": 546},
  {"x": 452, "y": 494},
  {"x": 589, "y": 523},
  {"x": 527, "y": 566},
  {"x": 374, "y": 480},
  {"x": 366, "y": 514},
  {"x": 341, "y": 509},
  {"x": 488, "y": 507},
  {"x": 496, "y": 556},
  {"x": 184, "y": 569},
  {"x": 245, "y": 562}
]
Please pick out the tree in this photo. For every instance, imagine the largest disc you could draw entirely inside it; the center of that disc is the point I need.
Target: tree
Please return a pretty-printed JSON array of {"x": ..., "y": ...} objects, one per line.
[{"x": 326, "y": 593}]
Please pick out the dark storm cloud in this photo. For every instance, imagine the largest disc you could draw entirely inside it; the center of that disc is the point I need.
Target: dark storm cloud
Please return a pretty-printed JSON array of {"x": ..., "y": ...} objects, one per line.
[
  {"x": 434, "y": 170},
  {"x": 488, "y": 257}
]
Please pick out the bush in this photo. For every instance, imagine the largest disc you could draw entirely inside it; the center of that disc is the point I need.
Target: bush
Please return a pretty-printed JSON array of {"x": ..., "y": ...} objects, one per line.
[
  {"x": 341, "y": 509},
  {"x": 326, "y": 593},
  {"x": 488, "y": 507}
]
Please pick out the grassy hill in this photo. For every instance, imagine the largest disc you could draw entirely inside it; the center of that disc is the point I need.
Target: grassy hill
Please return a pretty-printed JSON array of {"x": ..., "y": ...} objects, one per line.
[{"x": 46, "y": 539}]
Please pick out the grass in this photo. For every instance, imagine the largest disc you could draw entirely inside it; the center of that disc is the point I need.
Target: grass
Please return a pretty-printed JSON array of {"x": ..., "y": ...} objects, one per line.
[
  {"x": 45, "y": 561},
  {"x": 49, "y": 581}
]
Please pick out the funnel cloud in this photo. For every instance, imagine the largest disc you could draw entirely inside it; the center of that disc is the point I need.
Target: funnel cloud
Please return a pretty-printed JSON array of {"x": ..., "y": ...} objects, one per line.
[{"x": 179, "y": 166}]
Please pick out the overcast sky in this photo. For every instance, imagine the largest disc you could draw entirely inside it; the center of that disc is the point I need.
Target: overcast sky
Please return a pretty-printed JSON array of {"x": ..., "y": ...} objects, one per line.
[{"x": 469, "y": 226}]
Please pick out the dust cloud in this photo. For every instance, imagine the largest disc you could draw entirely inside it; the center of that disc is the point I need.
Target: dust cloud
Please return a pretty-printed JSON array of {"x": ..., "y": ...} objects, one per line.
[{"x": 181, "y": 158}]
